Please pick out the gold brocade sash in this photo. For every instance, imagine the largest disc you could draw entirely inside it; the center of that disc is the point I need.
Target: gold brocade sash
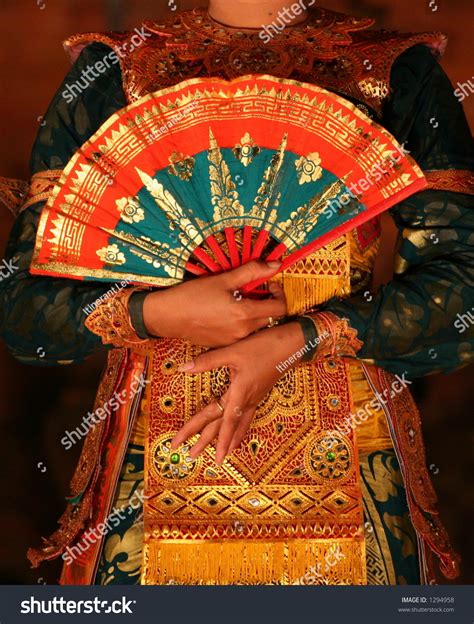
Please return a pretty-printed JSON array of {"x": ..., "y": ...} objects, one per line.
[{"x": 284, "y": 508}]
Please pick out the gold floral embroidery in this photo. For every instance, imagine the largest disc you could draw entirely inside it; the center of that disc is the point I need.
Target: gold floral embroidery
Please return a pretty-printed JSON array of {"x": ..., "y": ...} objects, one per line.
[
  {"x": 304, "y": 219},
  {"x": 246, "y": 150},
  {"x": 111, "y": 255},
  {"x": 308, "y": 168},
  {"x": 383, "y": 478},
  {"x": 127, "y": 550},
  {"x": 174, "y": 211},
  {"x": 130, "y": 210},
  {"x": 181, "y": 166},
  {"x": 224, "y": 195},
  {"x": 401, "y": 529},
  {"x": 268, "y": 196}
]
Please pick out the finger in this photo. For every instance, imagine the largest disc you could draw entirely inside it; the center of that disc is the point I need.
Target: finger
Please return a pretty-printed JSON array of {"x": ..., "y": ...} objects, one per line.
[
  {"x": 277, "y": 291},
  {"x": 250, "y": 272},
  {"x": 230, "y": 421},
  {"x": 205, "y": 362},
  {"x": 197, "y": 423},
  {"x": 208, "y": 434},
  {"x": 242, "y": 429},
  {"x": 269, "y": 307}
]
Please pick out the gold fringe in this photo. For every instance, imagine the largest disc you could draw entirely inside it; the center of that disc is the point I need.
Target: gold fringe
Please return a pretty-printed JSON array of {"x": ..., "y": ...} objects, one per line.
[
  {"x": 304, "y": 292},
  {"x": 318, "y": 277},
  {"x": 255, "y": 562}
]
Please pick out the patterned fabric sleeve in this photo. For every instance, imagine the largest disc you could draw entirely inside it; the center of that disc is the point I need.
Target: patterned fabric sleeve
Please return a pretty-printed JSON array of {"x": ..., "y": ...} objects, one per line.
[
  {"x": 42, "y": 318},
  {"x": 419, "y": 323}
]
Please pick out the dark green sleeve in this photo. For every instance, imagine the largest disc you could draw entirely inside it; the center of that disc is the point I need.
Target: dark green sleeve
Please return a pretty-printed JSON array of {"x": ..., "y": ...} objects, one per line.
[
  {"x": 42, "y": 318},
  {"x": 414, "y": 324}
]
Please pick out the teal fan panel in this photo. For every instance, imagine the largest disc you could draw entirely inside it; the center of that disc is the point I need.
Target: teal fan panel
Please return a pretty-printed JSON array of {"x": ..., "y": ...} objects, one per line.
[{"x": 160, "y": 232}]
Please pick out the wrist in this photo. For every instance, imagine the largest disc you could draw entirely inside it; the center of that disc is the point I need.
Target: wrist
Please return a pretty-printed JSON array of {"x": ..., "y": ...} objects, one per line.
[
  {"x": 292, "y": 338},
  {"x": 161, "y": 315},
  {"x": 135, "y": 310},
  {"x": 310, "y": 333},
  {"x": 151, "y": 320}
]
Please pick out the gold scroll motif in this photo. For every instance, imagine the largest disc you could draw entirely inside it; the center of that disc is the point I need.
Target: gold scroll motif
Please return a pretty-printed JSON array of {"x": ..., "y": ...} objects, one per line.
[{"x": 224, "y": 195}]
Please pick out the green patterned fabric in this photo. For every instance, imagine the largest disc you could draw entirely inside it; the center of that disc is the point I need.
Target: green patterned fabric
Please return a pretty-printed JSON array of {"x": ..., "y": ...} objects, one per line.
[
  {"x": 409, "y": 325},
  {"x": 44, "y": 312},
  {"x": 391, "y": 547},
  {"x": 120, "y": 561}
]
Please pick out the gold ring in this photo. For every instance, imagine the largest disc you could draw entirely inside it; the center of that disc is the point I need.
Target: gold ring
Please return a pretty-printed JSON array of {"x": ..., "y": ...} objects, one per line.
[
  {"x": 272, "y": 322},
  {"x": 219, "y": 405}
]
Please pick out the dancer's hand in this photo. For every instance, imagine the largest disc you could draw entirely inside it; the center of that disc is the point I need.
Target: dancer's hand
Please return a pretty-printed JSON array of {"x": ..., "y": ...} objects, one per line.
[
  {"x": 209, "y": 311},
  {"x": 253, "y": 370}
]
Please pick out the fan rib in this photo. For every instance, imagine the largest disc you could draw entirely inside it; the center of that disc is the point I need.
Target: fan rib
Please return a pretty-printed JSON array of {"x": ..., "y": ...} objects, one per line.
[
  {"x": 232, "y": 245},
  {"x": 247, "y": 244},
  {"x": 219, "y": 254},
  {"x": 208, "y": 262},
  {"x": 195, "y": 269},
  {"x": 259, "y": 244}
]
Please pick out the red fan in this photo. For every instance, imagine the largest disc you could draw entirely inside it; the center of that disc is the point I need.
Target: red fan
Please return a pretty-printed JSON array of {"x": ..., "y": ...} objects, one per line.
[{"x": 209, "y": 174}]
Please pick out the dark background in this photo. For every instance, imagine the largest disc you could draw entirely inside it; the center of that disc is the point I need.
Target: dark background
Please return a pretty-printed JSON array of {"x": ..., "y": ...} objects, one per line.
[{"x": 38, "y": 404}]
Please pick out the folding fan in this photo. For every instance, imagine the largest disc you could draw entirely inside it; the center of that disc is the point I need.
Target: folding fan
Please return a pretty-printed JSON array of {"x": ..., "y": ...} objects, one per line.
[{"x": 207, "y": 175}]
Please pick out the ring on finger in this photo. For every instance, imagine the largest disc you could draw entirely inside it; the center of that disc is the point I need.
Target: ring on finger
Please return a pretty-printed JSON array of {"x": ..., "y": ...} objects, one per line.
[
  {"x": 219, "y": 405},
  {"x": 272, "y": 322}
]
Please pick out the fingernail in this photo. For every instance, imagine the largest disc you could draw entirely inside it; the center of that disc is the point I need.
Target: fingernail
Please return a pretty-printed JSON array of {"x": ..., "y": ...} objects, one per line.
[
  {"x": 187, "y": 366},
  {"x": 274, "y": 264}
]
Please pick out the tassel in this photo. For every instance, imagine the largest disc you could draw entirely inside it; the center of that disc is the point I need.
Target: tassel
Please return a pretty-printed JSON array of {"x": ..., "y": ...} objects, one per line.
[
  {"x": 317, "y": 278},
  {"x": 255, "y": 562},
  {"x": 305, "y": 292}
]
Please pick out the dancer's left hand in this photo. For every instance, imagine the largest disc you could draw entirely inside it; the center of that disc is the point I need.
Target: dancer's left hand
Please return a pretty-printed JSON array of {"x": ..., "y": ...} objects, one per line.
[{"x": 253, "y": 365}]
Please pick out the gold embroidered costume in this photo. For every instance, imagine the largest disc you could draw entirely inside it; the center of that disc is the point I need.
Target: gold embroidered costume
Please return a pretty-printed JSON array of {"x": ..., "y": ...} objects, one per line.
[{"x": 330, "y": 480}]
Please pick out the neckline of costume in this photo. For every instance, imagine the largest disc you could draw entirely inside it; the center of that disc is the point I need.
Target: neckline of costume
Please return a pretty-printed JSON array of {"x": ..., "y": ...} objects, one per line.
[
  {"x": 256, "y": 30},
  {"x": 198, "y": 27}
]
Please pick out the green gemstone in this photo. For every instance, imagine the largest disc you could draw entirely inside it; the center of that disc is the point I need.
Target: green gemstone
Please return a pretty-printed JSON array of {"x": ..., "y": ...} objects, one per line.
[
  {"x": 174, "y": 458},
  {"x": 330, "y": 456}
]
